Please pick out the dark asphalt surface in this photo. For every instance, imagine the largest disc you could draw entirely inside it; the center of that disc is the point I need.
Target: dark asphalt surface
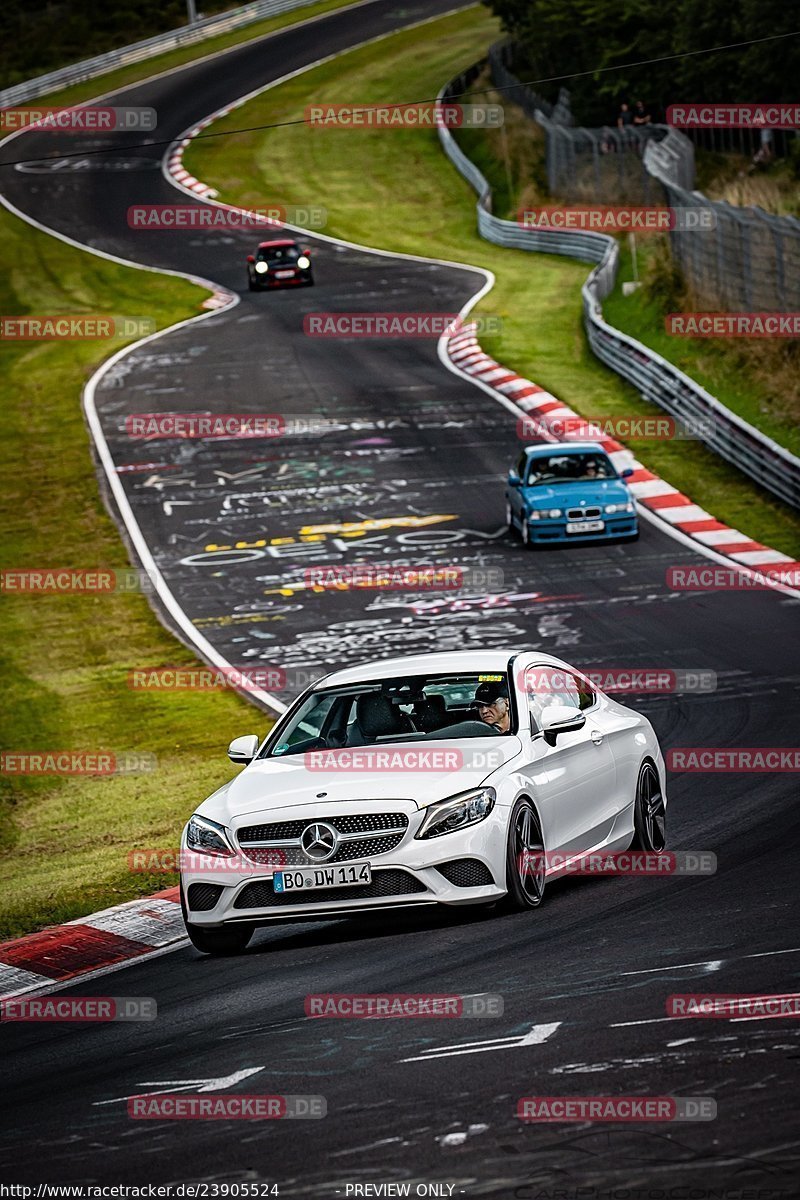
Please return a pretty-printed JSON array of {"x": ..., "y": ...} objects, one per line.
[{"x": 412, "y": 442}]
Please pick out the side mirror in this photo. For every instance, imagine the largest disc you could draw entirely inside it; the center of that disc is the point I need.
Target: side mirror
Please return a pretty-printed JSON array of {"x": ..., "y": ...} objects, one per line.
[
  {"x": 560, "y": 718},
  {"x": 626, "y": 474},
  {"x": 243, "y": 749},
  {"x": 251, "y": 258},
  {"x": 513, "y": 479}
]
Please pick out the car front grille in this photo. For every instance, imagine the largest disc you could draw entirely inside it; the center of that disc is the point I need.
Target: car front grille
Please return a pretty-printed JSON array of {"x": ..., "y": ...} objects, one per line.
[
  {"x": 580, "y": 514},
  {"x": 278, "y": 844},
  {"x": 295, "y": 856},
  {"x": 466, "y": 872},
  {"x": 260, "y": 894}
]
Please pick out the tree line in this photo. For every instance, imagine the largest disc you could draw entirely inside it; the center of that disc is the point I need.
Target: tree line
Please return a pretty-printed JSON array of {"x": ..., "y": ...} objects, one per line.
[
  {"x": 584, "y": 38},
  {"x": 37, "y": 36}
]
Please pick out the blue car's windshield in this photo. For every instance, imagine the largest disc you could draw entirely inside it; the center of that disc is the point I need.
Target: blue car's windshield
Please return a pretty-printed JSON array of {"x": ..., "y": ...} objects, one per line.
[{"x": 570, "y": 468}]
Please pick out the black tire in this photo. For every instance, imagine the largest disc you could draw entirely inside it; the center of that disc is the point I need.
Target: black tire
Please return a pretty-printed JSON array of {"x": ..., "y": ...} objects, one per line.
[
  {"x": 250, "y": 285},
  {"x": 525, "y": 534},
  {"x": 512, "y": 529},
  {"x": 649, "y": 811},
  {"x": 228, "y": 939},
  {"x": 525, "y": 882}
]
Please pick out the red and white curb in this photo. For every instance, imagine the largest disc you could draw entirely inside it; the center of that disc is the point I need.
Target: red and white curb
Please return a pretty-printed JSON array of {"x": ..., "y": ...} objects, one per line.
[
  {"x": 94, "y": 945},
  {"x": 650, "y": 491},
  {"x": 175, "y": 160},
  {"x": 218, "y": 299},
  {"x": 176, "y": 171}
]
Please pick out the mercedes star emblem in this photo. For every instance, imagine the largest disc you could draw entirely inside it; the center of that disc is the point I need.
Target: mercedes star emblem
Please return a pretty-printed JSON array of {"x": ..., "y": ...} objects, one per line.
[{"x": 319, "y": 841}]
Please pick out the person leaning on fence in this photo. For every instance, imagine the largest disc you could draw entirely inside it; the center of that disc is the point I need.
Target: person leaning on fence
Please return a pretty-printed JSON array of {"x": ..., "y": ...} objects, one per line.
[{"x": 640, "y": 114}]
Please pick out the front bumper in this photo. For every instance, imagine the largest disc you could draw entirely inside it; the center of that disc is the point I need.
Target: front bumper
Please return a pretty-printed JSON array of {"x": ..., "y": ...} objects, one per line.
[
  {"x": 624, "y": 525},
  {"x": 409, "y": 875},
  {"x": 268, "y": 282}
]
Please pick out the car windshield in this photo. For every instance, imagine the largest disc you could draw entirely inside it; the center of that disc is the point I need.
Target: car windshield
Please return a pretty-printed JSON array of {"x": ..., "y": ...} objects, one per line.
[
  {"x": 408, "y": 708},
  {"x": 570, "y": 468},
  {"x": 280, "y": 254}
]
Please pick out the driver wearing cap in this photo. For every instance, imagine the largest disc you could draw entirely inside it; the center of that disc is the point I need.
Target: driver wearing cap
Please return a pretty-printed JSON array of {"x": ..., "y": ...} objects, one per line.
[{"x": 491, "y": 701}]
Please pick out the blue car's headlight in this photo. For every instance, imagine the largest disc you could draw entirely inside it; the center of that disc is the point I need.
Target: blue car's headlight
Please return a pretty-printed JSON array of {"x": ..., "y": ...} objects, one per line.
[
  {"x": 617, "y": 508},
  {"x": 543, "y": 514},
  {"x": 449, "y": 815},
  {"x": 207, "y": 837}
]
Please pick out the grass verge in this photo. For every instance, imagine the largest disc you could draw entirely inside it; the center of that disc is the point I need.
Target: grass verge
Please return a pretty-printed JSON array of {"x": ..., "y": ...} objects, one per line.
[
  {"x": 64, "y": 842},
  {"x": 395, "y": 190}
]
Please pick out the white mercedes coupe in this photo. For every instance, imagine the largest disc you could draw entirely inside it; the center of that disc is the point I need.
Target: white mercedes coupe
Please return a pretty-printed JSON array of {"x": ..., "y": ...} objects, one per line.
[{"x": 459, "y": 778}]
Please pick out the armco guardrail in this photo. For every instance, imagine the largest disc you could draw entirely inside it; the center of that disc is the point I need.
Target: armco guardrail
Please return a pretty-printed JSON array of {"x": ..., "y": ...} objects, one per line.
[
  {"x": 769, "y": 464},
  {"x": 187, "y": 35}
]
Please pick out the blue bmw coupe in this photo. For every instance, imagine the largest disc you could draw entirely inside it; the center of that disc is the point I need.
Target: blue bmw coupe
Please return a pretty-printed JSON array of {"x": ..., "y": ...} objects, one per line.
[{"x": 569, "y": 492}]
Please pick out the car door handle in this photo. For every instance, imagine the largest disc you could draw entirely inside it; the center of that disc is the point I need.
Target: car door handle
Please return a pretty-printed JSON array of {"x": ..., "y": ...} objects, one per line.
[{"x": 597, "y": 737}]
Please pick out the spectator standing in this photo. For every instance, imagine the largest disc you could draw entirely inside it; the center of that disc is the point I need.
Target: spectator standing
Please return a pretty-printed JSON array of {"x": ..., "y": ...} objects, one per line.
[{"x": 641, "y": 116}]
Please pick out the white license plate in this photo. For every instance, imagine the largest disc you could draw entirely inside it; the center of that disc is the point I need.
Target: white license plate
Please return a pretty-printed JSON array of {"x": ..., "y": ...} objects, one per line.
[
  {"x": 585, "y": 526},
  {"x": 284, "y": 274},
  {"x": 306, "y": 879}
]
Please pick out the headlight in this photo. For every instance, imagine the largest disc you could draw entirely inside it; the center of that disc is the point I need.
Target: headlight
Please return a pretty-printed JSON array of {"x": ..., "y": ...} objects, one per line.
[
  {"x": 449, "y": 815},
  {"x": 208, "y": 837},
  {"x": 534, "y": 515},
  {"x": 303, "y": 262},
  {"x": 262, "y": 267},
  {"x": 554, "y": 512},
  {"x": 614, "y": 508}
]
